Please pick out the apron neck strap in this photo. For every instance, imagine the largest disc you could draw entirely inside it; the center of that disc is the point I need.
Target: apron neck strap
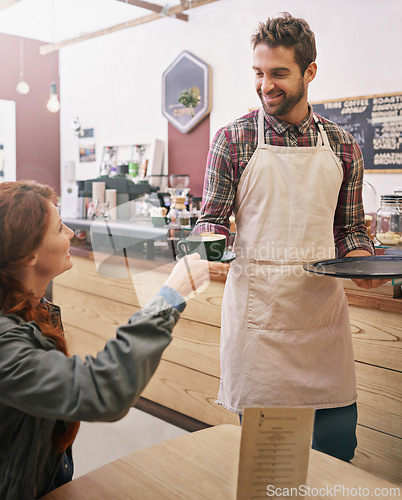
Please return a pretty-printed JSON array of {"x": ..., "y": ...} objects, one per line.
[
  {"x": 261, "y": 134},
  {"x": 322, "y": 133}
]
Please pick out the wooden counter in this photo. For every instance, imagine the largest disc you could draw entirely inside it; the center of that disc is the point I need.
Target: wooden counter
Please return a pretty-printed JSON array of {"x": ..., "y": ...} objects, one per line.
[
  {"x": 204, "y": 466},
  {"x": 187, "y": 379}
]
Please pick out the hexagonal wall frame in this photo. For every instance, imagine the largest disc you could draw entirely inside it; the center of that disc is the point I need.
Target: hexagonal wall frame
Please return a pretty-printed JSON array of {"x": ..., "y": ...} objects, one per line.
[{"x": 185, "y": 73}]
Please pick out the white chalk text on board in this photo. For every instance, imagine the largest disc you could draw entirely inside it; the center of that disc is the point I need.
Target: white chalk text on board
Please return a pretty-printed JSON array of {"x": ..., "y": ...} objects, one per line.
[{"x": 376, "y": 124}]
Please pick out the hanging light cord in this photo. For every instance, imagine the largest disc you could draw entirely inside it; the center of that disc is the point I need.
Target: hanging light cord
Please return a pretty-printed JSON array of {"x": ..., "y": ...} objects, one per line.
[
  {"x": 53, "y": 104},
  {"x": 53, "y": 31},
  {"x": 21, "y": 58}
]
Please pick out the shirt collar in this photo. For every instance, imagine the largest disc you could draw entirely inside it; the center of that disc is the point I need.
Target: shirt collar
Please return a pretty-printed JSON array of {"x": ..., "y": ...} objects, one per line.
[
  {"x": 51, "y": 308},
  {"x": 280, "y": 127}
]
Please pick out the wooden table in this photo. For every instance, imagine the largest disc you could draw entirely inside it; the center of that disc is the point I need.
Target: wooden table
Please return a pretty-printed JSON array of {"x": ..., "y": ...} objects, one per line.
[{"x": 203, "y": 466}]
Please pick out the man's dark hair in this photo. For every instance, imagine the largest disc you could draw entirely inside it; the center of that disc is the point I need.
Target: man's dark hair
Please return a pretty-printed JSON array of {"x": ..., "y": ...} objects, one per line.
[{"x": 288, "y": 32}]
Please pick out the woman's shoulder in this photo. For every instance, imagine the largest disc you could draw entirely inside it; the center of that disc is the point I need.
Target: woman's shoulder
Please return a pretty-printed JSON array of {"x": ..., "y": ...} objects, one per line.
[
  {"x": 9, "y": 322},
  {"x": 15, "y": 329}
]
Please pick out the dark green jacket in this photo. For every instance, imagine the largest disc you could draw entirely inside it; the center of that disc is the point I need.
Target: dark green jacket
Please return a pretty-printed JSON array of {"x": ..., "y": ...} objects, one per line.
[{"x": 40, "y": 386}]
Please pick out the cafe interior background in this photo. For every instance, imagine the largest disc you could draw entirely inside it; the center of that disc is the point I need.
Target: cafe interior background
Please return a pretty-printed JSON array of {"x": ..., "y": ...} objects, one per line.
[{"x": 111, "y": 85}]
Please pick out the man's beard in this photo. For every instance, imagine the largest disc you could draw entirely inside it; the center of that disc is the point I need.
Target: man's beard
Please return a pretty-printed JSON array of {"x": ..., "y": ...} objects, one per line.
[{"x": 288, "y": 103}]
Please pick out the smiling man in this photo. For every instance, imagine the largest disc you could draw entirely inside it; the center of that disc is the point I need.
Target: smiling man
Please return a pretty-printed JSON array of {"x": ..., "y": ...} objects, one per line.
[
  {"x": 280, "y": 83},
  {"x": 294, "y": 182}
]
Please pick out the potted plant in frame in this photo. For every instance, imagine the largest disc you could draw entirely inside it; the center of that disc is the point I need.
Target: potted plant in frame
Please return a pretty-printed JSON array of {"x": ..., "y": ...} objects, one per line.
[{"x": 190, "y": 98}]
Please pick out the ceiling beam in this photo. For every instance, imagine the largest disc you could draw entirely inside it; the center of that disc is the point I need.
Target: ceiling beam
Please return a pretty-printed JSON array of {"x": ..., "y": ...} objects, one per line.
[
  {"x": 173, "y": 11},
  {"x": 159, "y": 9},
  {"x": 52, "y": 47}
]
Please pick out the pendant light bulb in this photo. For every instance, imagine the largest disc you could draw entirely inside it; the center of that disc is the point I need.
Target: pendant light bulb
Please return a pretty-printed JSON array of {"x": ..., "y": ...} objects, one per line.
[
  {"x": 22, "y": 87},
  {"x": 53, "y": 104}
]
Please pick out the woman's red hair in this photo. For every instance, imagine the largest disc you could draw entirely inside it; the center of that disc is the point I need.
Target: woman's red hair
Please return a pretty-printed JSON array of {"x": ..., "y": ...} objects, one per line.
[{"x": 23, "y": 223}]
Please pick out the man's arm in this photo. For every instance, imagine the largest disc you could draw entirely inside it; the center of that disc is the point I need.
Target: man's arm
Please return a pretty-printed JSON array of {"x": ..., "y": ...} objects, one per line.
[
  {"x": 219, "y": 188},
  {"x": 350, "y": 231}
]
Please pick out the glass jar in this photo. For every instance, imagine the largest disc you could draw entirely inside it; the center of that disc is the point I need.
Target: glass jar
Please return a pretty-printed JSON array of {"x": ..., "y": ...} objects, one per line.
[
  {"x": 194, "y": 216},
  {"x": 177, "y": 207},
  {"x": 184, "y": 218},
  {"x": 389, "y": 220}
]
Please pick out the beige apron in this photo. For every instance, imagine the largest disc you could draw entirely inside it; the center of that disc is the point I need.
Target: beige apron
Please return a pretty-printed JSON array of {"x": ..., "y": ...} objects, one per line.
[{"x": 286, "y": 338}]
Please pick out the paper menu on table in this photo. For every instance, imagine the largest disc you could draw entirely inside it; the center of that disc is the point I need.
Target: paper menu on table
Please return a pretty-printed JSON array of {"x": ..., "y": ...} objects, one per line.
[{"x": 274, "y": 450}]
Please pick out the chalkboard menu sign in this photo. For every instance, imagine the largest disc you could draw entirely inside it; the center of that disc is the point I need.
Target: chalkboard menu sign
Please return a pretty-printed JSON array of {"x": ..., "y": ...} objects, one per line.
[{"x": 376, "y": 124}]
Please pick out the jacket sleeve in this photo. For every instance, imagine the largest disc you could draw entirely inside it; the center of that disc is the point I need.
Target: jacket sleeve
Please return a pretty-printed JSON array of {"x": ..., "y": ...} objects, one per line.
[{"x": 43, "y": 382}]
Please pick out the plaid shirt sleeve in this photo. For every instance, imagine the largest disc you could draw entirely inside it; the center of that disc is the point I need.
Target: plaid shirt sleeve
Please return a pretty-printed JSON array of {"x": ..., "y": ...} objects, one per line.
[
  {"x": 350, "y": 232},
  {"x": 219, "y": 187}
]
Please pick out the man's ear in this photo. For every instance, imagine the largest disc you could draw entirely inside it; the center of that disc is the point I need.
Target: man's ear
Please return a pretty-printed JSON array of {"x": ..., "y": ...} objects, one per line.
[{"x": 310, "y": 72}]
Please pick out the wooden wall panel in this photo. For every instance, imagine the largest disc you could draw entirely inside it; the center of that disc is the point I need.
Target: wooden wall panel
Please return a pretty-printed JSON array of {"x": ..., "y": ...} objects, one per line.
[
  {"x": 187, "y": 379},
  {"x": 377, "y": 337},
  {"x": 205, "y": 308},
  {"x": 84, "y": 277},
  {"x": 190, "y": 392},
  {"x": 379, "y": 454},
  {"x": 379, "y": 399},
  {"x": 196, "y": 346},
  {"x": 90, "y": 313},
  {"x": 91, "y": 320}
]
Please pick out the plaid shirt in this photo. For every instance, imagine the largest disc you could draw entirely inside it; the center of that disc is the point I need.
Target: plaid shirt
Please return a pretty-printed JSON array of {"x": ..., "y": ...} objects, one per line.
[{"x": 232, "y": 149}]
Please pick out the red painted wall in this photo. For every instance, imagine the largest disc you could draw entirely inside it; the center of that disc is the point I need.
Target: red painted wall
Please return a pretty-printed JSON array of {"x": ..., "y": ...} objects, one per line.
[
  {"x": 38, "y": 130},
  {"x": 188, "y": 154}
]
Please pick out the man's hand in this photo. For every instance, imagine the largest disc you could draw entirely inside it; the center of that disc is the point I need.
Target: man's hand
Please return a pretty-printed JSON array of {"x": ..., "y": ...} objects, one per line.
[
  {"x": 368, "y": 284},
  {"x": 365, "y": 283},
  {"x": 218, "y": 269}
]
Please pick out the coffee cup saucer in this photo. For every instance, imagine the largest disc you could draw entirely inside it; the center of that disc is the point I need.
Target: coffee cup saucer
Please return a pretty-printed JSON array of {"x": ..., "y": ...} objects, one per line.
[{"x": 227, "y": 257}]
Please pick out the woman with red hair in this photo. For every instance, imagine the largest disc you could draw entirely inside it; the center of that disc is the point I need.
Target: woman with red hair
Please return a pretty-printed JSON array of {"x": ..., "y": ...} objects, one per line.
[{"x": 44, "y": 393}]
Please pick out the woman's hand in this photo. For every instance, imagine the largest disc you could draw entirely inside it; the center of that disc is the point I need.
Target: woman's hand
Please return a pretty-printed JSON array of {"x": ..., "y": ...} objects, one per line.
[{"x": 189, "y": 274}]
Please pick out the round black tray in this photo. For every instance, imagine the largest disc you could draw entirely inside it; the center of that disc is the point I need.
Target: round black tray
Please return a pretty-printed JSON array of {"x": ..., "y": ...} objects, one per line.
[
  {"x": 227, "y": 257},
  {"x": 375, "y": 267}
]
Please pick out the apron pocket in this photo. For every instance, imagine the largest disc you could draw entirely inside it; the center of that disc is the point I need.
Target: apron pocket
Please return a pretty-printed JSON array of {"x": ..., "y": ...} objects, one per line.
[{"x": 283, "y": 296}]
